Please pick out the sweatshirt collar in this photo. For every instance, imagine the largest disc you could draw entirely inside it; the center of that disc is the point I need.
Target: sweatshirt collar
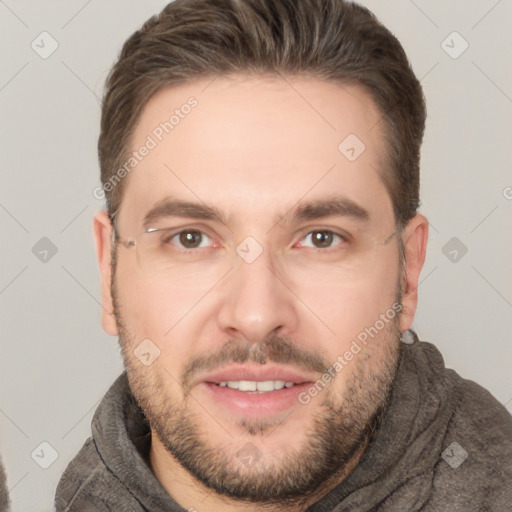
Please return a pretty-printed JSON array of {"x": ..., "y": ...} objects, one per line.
[
  {"x": 399, "y": 460},
  {"x": 123, "y": 438}
]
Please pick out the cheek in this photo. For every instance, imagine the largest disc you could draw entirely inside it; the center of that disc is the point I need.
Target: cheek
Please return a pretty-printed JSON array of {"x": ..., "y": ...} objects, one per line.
[
  {"x": 165, "y": 314},
  {"x": 150, "y": 308},
  {"x": 348, "y": 307}
]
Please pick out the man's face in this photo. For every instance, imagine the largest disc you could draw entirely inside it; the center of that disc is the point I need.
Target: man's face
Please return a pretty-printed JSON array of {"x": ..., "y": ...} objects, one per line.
[{"x": 270, "y": 295}]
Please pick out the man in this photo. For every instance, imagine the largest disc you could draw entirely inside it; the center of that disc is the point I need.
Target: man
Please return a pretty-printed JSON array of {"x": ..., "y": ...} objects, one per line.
[{"x": 260, "y": 256}]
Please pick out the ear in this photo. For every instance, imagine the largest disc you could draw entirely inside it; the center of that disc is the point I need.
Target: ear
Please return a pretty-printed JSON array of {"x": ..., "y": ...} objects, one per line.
[
  {"x": 414, "y": 237},
  {"x": 102, "y": 229}
]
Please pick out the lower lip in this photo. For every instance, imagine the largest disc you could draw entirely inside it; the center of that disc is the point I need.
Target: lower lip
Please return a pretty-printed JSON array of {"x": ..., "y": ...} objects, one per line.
[{"x": 254, "y": 404}]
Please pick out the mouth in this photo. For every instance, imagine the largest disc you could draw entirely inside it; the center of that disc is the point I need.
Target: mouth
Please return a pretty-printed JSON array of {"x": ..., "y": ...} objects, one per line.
[
  {"x": 252, "y": 386},
  {"x": 251, "y": 391}
]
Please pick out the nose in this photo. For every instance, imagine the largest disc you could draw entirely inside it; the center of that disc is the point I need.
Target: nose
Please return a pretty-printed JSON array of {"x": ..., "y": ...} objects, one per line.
[{"x": 257, "y": 300}]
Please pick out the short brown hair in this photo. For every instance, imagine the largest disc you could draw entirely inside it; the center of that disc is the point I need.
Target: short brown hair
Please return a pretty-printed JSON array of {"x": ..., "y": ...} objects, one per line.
[{"x": 330, "y": 39}]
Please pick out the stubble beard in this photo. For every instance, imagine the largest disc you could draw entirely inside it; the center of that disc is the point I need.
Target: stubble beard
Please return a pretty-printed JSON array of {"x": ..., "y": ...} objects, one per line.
[{"x": 338, "y": 431}]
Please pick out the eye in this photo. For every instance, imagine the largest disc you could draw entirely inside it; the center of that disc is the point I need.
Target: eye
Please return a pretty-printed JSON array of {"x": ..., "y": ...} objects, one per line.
[
  {"x": 322, "y": 239},
  {"x": 189, "y": 239}
]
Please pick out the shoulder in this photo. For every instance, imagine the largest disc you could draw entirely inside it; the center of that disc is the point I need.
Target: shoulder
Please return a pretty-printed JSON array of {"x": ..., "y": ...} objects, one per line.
[
  {"x": 474, "y": 470},
  {"x": 482, "y": 426},
  {"x": 88, "y": 485},
  {"x": 477, "y": 417}
]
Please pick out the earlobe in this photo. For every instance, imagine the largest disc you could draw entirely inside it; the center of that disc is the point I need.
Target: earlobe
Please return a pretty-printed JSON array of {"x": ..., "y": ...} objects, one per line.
[
  {"x": 414, "y": 237},
  {"x": 102, "y": 229}
]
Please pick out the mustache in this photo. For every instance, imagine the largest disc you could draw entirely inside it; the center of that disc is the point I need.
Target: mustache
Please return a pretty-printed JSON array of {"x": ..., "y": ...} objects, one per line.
[{"x": 274, "y": 348}]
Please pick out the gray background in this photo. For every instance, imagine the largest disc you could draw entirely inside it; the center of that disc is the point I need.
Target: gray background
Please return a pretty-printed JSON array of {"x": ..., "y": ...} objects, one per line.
[{"x": 56, "y": 362}]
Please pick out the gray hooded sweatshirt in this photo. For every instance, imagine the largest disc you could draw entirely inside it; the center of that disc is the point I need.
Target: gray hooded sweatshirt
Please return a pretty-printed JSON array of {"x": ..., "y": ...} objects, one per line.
[
  {"x": 443, "y": 444},
  {"x": 4, "y": 495}
]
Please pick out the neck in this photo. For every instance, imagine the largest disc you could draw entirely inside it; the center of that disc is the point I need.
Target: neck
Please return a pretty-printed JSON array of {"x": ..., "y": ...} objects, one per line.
[{"x": 194, "y": 496}]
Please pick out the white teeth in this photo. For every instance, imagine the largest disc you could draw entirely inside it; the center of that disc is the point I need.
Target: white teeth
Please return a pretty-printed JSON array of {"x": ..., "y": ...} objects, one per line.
[
  {"x": 266, "y": 385},
  {"x": 251, "y": 385},
  {"x": 247, "y": 385},
  {"x": 278, "y": 384}
]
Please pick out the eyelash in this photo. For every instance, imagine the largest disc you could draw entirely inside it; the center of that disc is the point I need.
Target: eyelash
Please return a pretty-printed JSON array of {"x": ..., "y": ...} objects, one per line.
[{"x": 344, "y": 240}]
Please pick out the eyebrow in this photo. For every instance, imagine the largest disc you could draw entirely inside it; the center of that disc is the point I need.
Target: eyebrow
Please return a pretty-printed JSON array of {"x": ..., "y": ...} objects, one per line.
[
  {"x": 169, "y": 207},
  {"x": 335, "y": 206},
  {"x": 330, "y": 207}
]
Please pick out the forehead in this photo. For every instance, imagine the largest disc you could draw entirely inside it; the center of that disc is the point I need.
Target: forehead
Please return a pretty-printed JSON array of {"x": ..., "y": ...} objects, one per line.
[{"x": 255, "y": 146}]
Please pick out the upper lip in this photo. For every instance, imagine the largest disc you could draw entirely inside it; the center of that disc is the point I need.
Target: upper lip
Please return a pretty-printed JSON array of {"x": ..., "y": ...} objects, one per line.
[{"x": 258, "y": 373}]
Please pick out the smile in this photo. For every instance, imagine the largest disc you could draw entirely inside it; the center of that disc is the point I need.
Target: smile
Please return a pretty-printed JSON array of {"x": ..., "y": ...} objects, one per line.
[{"x": 255, "y": 386}]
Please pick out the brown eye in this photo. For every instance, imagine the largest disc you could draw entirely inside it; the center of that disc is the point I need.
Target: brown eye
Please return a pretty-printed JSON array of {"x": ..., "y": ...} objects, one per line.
[
  {"x": 190, "y": 239},
  {"x": 323, "y": 239}
]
